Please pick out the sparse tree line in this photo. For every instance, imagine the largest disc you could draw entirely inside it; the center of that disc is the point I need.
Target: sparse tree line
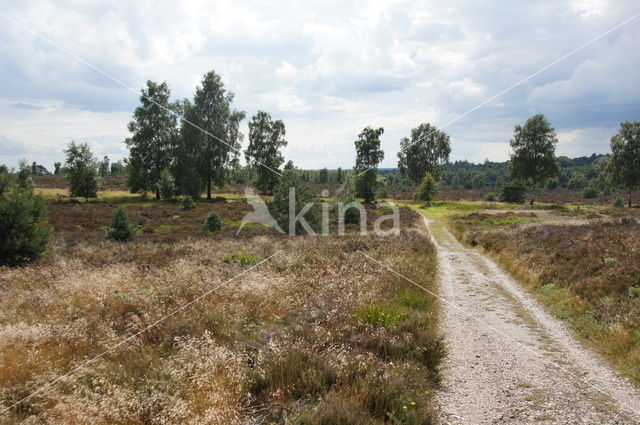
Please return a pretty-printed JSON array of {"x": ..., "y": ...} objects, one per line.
[{"x": 190, "y": 147}]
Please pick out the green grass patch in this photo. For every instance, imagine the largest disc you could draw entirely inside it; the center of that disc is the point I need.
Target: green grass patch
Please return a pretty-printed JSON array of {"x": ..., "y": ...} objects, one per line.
[
  {"x": 383, "y": 315},
  {"x": 242, "y": 259}
]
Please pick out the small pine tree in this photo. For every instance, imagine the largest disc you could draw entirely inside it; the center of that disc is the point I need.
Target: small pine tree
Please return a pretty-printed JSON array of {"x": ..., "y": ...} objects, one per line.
[
  {"x": 212, "y": 223},
  {"x": 514, "y": 192},
  {"x": 23, "y": 176},
  {"x": 122, "y": 229},
  {"x": 427, "y": 190},
  {"x": 490, "y": 197},
  {"x": 167, "y": 185},
  {"x": 24, "y": 234},
  {"x": 82, "y": 171},
  {"x": 188, "y": 203}
]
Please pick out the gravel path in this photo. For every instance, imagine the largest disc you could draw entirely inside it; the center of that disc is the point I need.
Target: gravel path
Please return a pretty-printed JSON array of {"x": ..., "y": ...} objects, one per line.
[{"x": 512, "y": 363}]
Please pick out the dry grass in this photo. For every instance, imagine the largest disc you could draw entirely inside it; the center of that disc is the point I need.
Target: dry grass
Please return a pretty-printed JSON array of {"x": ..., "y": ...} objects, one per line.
[
  {"x": 588, "y": 275},
  {"x": 285, "y": 343}
]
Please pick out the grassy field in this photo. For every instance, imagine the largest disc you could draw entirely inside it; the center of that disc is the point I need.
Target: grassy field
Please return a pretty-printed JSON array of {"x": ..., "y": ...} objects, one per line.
[
  {"x": 580, "y": 262},
  {"x": 316, "y": 334}
]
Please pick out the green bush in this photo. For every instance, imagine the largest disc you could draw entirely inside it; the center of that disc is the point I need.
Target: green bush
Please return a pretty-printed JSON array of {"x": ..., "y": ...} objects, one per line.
[
  {"x": 212, "y": 223},
  {"x": 427, "y": 190},
  {"x": 24, "y": 234},
  {"x": 167, "y": 185},
  {"x": 491, "y": 197},
  {"x": 188, "y": 203},
  {"x": 590, "y": 192},
  {"x": 618, "y": 203},
  {"x": 122, "y": 229},
  {"x": 304, "y": 194},
  {"x": 514, "y": 192}
]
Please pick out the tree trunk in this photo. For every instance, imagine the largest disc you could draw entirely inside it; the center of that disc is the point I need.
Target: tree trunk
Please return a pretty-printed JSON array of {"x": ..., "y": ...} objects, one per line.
[
  {"x": 157, "y": 193},
  {"x": 629, "y": 199},
  {"x": 209, "y": 188}
]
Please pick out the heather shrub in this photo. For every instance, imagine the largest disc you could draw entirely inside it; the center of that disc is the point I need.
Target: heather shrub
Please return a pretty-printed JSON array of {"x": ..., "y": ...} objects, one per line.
[
  {"x": 24, "y": 233},
  {"x": 212, "y": 223},
  {"x": 122, "y": 229}
]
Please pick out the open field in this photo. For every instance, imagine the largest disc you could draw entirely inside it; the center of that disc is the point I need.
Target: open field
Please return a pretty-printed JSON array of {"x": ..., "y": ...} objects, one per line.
[
  {"x": 581, "y": 263},
  {"x": 308, "y": 332}
]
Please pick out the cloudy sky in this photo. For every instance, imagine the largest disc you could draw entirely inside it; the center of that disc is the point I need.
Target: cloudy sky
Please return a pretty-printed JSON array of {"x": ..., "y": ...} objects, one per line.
[{"x": 326, "y": 68}]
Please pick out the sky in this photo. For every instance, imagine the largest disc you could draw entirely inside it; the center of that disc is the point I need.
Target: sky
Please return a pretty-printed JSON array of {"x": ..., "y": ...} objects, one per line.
[{"x": 326, "y": 68}]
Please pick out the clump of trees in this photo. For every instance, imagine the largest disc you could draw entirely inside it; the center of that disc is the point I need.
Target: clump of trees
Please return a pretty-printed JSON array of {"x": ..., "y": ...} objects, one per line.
[
  {"x": 368, "y": 156},
  {"x": 534, "y": 146},
  {"x": 625, "y": 157},
  {"x": 24, "y": 232},
  {"x": 266, "y": 138},
  {"x": 293, "y": 205},
  {"x": 421, "y": 158}
]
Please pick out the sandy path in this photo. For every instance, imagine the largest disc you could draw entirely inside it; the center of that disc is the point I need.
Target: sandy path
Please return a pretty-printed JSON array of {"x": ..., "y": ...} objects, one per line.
[{"x": 520, "y": 366}]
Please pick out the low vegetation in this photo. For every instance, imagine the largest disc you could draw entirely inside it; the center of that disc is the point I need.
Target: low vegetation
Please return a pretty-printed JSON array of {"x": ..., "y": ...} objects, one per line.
[{"x": 315, "y": 335}]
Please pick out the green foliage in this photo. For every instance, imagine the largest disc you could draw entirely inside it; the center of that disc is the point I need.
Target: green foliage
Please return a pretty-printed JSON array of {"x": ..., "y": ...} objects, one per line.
[
  {"x": 625, "y": 156},
  {"x": 24, "y": 234},
  {"x": 155, "y": 132},
  {"x": 424, "y": 153},
  {"x": 242, "y": 259},
  {"x": 214, "y": 151},
  {"x": 23, "y": 176},
  {"x": 618, "y": 203},
  {"x": 368, "y": 156},
  {"x": 167, "y": 185},
  {"x": 491, "y": 197},
  {"x": 212, "y": 223},
  {"x": 188, "y": 203},
  {"x": 590, "y": 192},
  {"x": 514, "y": 192},
  {"x": 578, "y": 181},
  {"x": 534, "y": 149},
  {"x": 266, "y": 138},
  {"x": 304, "y": 194},
  {"x": 122, "y": 229},
  {"x": 323, "y": 176},
  {"x": 103, "y": 167},
  {"x": 427, "y": 190},
  {"x": 81, "y": 171},
  {"x": 345, "y": 195},
  {"x": 339, "y": 176},
  {"x": 57, "y": 166}
]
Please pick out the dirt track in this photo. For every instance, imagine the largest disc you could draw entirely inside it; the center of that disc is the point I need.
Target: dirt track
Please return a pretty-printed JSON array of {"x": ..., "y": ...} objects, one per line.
[{"x": 509, "y": 361}]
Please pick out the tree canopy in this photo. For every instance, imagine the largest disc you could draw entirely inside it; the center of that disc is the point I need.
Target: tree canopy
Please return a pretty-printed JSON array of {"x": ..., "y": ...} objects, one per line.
[
  {"x": 266, "y": 138},
  {"x": 534, "y": 147},
  {"x": 625, "y": 157},
  {"x": 368, "y": 156},
  {"x": 424, "y": 153}
]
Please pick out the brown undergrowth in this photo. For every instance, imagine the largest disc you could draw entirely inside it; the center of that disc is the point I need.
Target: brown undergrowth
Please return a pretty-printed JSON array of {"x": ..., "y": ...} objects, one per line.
[
  {"x": 587, "y": 274},
  {"x": 316, "y": 335}
]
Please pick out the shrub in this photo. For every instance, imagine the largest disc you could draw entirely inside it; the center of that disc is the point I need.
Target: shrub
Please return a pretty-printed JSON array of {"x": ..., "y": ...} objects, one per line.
[
  {"x": 212, "y": 223},
  {"x": 167, "y": 185},
  {"x": 590, "y": 192},
  {"x": 347, "y": 194},
  {"x": 122, "y": 229},
  {"x": 188, "y": 203},
  {"x": 24, "y": 235},
  {"x": 491, "y": 197},
  {"x": 513, "y": 191},
  {"x": 618, "y": 203},
  {"x": 427, "y": 190}
]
